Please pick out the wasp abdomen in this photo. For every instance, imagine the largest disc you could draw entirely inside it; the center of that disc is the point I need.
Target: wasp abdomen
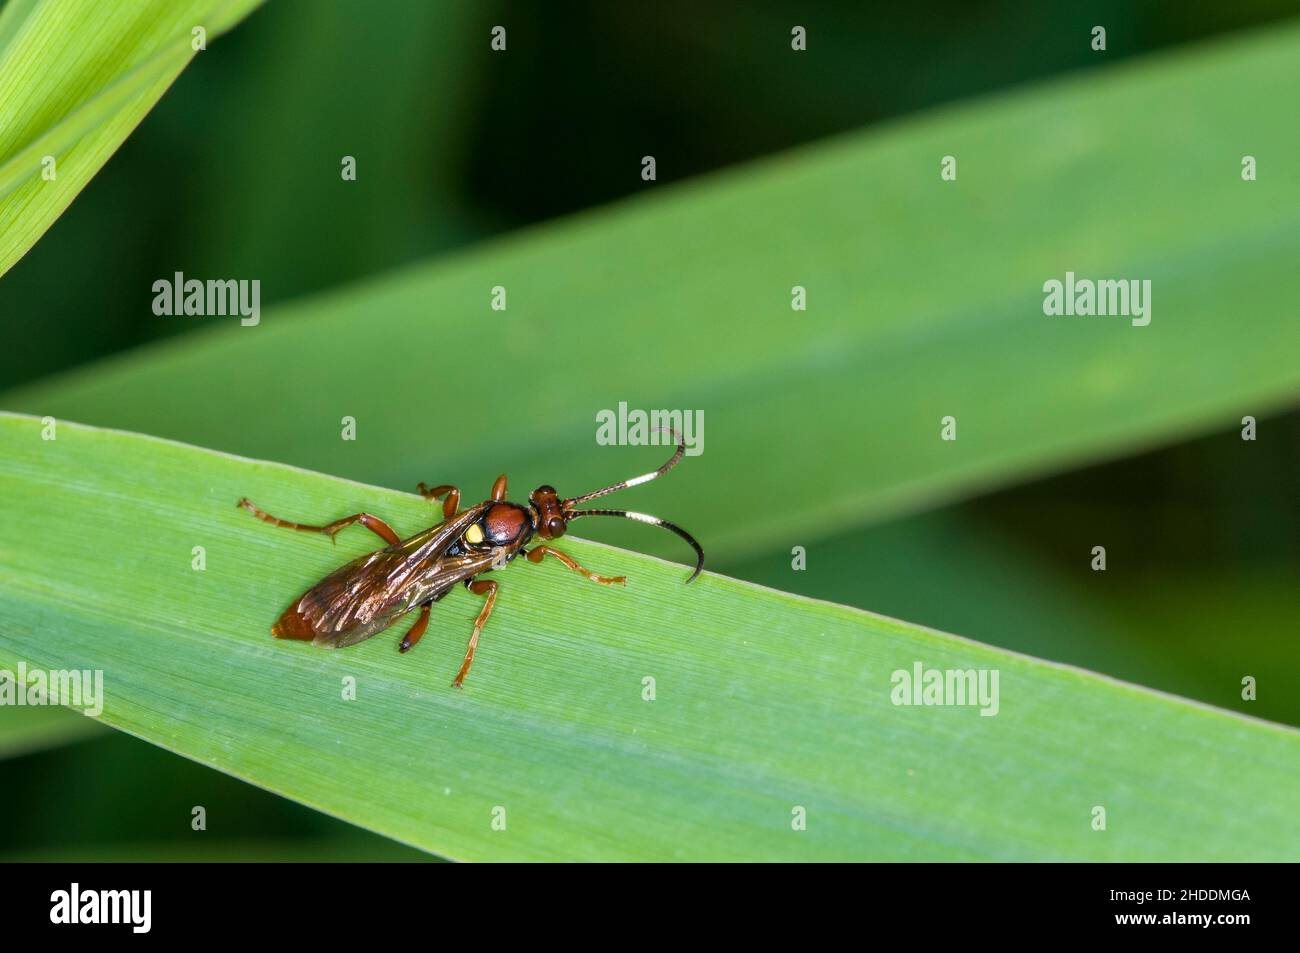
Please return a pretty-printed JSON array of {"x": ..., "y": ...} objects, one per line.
[{"x": 293, "y": 625}]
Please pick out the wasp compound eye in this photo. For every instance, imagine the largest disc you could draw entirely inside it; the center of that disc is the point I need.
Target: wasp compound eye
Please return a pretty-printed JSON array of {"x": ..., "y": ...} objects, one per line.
[{"x": 555, "y": 526}]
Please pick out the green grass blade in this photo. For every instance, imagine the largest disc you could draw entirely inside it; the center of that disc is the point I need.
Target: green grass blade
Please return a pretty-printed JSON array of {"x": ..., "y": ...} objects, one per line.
[
  {"x": 764, "y": 702},
  {"x": 262, "y": 850},
  {"x": 924, "y": 300},
  {"x": 24, "y": 730},
  {"x": 76, "y": 76}
]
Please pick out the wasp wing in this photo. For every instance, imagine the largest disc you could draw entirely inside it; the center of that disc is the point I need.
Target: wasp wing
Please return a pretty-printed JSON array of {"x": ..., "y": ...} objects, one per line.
[{"x": 373, "y": 591}]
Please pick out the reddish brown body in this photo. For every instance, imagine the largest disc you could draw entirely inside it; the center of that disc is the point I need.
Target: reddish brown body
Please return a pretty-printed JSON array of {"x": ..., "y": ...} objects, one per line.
[
  {"x": 293, "y": 625},
  {"x": 373, "y": 591}
]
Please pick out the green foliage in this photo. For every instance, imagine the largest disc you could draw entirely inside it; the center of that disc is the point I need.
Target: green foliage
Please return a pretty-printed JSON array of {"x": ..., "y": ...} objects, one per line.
[
  {"x": 924, "y": 300},
  {"x": 763, "y": 702},
  {"x": 24, "y": 730},
  {"x": 76, "y": 76}
]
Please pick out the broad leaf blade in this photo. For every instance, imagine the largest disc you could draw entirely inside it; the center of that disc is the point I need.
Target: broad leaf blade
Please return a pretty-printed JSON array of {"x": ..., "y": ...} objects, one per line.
[{"x": 763, "y": 702}]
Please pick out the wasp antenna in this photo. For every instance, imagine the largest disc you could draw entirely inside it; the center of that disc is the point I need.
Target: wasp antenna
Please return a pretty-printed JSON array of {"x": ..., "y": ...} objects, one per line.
[
  {"x": 653, "y": 521},
  {"x": 637, "y": 481}
]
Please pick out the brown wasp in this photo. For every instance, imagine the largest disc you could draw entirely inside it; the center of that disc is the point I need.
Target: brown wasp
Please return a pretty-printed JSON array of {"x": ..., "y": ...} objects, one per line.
[{"x": 373, "y": 591}]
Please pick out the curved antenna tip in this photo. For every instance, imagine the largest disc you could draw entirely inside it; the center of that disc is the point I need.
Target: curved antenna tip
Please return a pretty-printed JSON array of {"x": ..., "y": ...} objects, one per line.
[{"x": 652, "y": 521}]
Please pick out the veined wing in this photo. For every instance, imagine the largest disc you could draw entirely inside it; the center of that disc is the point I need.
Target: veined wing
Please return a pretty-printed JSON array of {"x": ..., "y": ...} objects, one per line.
[{"x": 370, "y": 593}]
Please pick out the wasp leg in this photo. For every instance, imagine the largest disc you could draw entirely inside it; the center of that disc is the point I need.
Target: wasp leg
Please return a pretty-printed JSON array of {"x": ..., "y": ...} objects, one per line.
[
  {"x": 538, "y": 553},
  {"x": 481, "y": 588},
  {"x": 416, "y": 632},
  {"x": 499, "y": 489},
  {"x": 372, "y": 523},
  {"x": 452, "y": 502}
]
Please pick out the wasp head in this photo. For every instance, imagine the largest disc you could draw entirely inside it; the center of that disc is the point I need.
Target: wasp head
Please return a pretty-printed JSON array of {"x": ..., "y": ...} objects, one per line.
[{"x": 551, "y": 522}]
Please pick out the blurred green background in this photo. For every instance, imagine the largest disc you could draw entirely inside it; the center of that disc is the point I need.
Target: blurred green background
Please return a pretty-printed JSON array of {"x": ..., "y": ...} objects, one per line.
[{"x": 456, "y": 147}]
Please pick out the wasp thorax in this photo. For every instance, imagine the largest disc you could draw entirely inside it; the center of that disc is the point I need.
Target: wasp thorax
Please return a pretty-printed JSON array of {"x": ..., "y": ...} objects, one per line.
[{"x": 505, "y": 524}]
